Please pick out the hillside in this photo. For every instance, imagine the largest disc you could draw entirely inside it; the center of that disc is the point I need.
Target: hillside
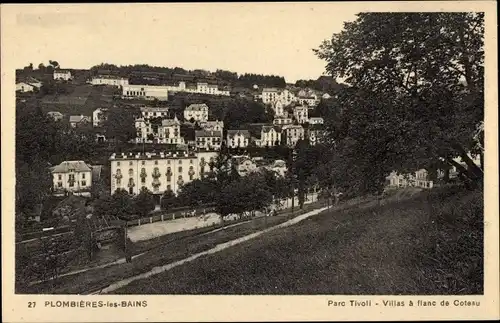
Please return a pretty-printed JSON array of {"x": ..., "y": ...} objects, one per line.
[{"x": 420, "y": 244}]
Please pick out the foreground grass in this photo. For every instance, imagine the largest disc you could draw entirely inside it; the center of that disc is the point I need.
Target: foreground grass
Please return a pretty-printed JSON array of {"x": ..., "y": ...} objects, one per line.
[
  {"x": 159, "y": 251},
  {"x": 431, "y": 243}
]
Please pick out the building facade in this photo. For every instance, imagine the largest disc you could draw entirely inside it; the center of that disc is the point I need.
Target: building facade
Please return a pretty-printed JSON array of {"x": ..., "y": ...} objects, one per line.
[
  {"x": 270, "y": 136},
  {"x": 158, "y": 172},
  {"x": 62, "y": 75},
  {"x": 238, "y": 138},
  {"x": 162, "y": 131},
  {"x": 301, "y": 114},
  {"x": 109, "y": 80},
  {"x": 212, "y": 125},
  {"x": 418, "y": 179},
  {"x": 72, "y": 177},
  {"x": 196, "y": 112},
  {"x": 211, "y": 140},
  {"x": 292, "y": 134},
  {"x": 316, "y": 120},
  {"x": 148, "y": 92}
]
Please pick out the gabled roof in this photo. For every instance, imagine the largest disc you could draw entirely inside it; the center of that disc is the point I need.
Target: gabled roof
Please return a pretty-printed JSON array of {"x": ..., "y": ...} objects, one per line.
[
  {"x": 268, "y": 128},
  {"x": 76, "y": 165},
  {"x": 197, "y": 107},
  {"x": 204, "y": 133},
  {"x": 244, "y": 133},
  {"x": 53, "y": 113},
  {"x": 170, "y": 122}
]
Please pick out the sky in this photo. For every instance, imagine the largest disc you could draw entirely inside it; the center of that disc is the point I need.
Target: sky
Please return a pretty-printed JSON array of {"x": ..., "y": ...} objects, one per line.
[{"x": 264, "y": 38}]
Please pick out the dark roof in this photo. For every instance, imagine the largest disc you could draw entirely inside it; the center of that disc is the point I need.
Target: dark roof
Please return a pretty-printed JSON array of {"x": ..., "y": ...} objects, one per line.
[{"x": 232, "y": 133}]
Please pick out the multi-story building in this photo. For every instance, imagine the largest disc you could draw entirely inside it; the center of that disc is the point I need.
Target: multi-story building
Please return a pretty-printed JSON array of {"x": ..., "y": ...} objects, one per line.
[
  {"x": 98, "y": 117},
  {"x": 301, "y": 113},
  {"x": 109, "y": 80},
  {"x": 76, "y": 121},
  {"x": 25, "y": 87},
  {"x": 238, "y": 138},
  {"x": 270, "y": 95},
  {"x": 62, "y": 75},
  {"x": 211, "y": 140},
  {"x": 72, "y": 177},
  {"x": 158, "y": 172},
  {"x": 308, "y": 100},
  {"x": 270, "y": 136},
  {"x": 212, "y": 125},
  {"x": 148, "y": 92},
  {"x": 418, "y": 179},
  {"x": 153, "y": 130},
  {"x": 316, "y": 120},
  {"x": 196, "y": 112},
  {"x": 292, "y": 134}
]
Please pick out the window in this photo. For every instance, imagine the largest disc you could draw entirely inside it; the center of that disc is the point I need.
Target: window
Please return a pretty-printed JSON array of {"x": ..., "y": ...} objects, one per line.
[
  {"x": 59, "y": 184},
  {"x": 168, "y": 162},
  {"x": 143, "y": 180},
  {"x": 169, "y": 187},
  {"x": 180, "y": 169},
  {"x": 83, "y": 175},
  {"x": 180, "y": 161},
  {"x": 156, "y": 162},
  {"x": 84, "y": 183},
  {"x": 143, "y": 162},
  {"x": 117, "y": 163},
  {"x": 131, "y": 163},
  {"x": 190, "y": 161},
  {"x": 59, "y": 177}
]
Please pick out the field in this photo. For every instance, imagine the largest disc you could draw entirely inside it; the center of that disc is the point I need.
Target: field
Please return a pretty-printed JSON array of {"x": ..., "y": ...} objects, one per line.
[{"x": 429, "y": 243}]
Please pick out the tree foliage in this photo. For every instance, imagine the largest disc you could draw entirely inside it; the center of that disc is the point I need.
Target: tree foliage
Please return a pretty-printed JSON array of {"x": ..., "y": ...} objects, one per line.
[
  {"x": 144, "y": 202},
  {"x": 416, "y": 91}
]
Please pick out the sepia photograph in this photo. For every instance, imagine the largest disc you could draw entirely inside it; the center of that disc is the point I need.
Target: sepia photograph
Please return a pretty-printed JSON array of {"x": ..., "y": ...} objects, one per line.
[{"x": 266, "y": 149}]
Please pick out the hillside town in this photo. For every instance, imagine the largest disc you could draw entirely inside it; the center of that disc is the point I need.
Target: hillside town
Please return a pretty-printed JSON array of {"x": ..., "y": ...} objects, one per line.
[{"x": 115, "y": 163}]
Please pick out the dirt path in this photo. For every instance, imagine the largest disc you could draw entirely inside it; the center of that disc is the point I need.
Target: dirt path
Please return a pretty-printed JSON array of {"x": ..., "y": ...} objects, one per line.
[{"x": 222, "y": 246}]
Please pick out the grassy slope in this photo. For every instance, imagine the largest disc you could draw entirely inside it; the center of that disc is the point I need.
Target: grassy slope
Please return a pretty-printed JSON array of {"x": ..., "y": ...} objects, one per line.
[
  {"x": 161, "y": 251},
  {"x": 430, "y": 244}
]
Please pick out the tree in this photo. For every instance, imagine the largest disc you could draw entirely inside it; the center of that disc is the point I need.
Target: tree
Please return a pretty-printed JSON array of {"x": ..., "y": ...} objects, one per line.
[
  {"x": 122, "y": 205},
  {"x": 416, "y": 91},
  {"x": 120, "y": 124},
  {"x": 144, "y": 202},
  {"x": 54, "y": 64},
  {"x": 169, "y": 200}
]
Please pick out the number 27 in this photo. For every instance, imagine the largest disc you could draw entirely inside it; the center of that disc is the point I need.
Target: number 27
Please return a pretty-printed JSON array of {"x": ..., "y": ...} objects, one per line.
[{"x": 31, "y": 304}]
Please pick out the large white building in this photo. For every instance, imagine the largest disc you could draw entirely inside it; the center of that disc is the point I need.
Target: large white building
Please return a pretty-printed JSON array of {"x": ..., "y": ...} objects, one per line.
[
  {"x": 281, "y": 121},
  {"x": 196, "y": 112},
  {"x": 72, "y": 177},
  {"x": 158, "y": 172},
  {"x": 238, "y": 138},
  {"x": 200, "y": 87},
  {"x": 148, "y": 92},
  {"x": 109, "y": 80},
  {"x": 154, "y": 112},
  {"x": 62, "y": 75}
]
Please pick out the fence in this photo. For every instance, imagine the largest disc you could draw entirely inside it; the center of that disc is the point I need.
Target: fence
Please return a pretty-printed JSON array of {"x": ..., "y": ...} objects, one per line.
[{"x": 184, "y": 212}]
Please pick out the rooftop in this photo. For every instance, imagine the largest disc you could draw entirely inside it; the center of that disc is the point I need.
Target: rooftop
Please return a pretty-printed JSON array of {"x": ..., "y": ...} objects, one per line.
[
  {"x": 232, "y": 133},
  {"x": 154, "y": 109},
  {"x": 197, "y": 107},
  {"x": 205, "y": 133},
  {"x": 75, "y": 165},
  {"x": 154, "y": 155},
  {"x": 77, "y": 118}
]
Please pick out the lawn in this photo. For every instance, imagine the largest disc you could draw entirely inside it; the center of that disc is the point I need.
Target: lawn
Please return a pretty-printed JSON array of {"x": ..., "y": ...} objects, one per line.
[{"x": 430, "y": 243}]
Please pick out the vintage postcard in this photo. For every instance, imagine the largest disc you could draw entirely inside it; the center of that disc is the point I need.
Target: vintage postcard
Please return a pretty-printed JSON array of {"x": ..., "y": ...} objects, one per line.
[{"x": 297, "y": 161}]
